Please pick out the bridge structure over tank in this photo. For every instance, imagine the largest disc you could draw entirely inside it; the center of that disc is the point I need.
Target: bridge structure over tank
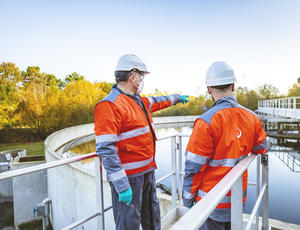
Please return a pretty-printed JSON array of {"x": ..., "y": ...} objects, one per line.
[{"x": 280, "y": 108}]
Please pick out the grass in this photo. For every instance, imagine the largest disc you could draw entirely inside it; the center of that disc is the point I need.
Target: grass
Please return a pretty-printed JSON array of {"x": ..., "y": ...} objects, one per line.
[
  {"x": 6, "y": 214},
  {"x": 32, "y": 148},
  {"x": 32, "y": 225}
]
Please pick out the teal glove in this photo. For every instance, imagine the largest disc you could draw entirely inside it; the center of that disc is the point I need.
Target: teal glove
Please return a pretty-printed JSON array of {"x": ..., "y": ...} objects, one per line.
[
  {"x": 184, "y": 99},
  {"x": 126, "y": 196}
]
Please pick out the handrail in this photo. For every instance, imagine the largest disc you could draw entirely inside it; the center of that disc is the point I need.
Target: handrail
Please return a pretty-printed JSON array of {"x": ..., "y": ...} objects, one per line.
[
  {"x": 175, "y": 135},
  {"x": 85, "y": 219},
  {"x": 164, "y": 177},
  {"x": 77, "y": 223},
  {"x": 166, "y": 137},
  {"x": 48, "y": 165},
  {"x": 288, "y": 107},
  {"x": 198, "y": 214}
]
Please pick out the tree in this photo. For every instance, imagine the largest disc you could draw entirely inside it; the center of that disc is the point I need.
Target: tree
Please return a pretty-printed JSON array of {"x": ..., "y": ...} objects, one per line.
[
  {"x": 295, "y": 89},
  {"x": 34, "y": 99},
  {"x": 10, "y": 81},
  {"x": 194, "y": 107},
  {"x": 73, "y": 77},
  {"x": 104, "y": 86},
  {"x": 9, "y": 74},
  {"x": 52, "y": 81},
  {"x": 267, "y": 91},
  {"x": 32, "y": 74},
  {"x": 247, "y": 98},
  {"x": 252, "y": 100}
]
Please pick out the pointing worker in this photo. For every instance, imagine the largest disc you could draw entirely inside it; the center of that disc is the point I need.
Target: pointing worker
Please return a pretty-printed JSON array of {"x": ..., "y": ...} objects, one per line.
[
  {"x": 221, "y": 137},
  {"x": 125, "y": 139}
]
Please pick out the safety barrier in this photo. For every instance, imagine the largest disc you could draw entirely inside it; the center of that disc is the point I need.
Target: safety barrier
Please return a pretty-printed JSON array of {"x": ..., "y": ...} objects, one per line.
[
  {"x": 45, "y": 166},
  {"x": 99, "y": 182},
  {"x": 282, "y": 107},
  {"x": 196, "y": 216}
]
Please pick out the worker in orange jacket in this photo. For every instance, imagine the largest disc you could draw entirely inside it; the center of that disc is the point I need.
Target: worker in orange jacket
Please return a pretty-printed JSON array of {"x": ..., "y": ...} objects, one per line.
[
  {"x": 125, "y": 140},
  {"x": 221, "y": 137}
]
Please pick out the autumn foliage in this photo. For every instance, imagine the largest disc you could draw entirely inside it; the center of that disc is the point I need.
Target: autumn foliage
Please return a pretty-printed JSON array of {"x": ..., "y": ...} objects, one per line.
[
  {"x": 39, "y": 101},
  {"x": 32, "y": 99}
]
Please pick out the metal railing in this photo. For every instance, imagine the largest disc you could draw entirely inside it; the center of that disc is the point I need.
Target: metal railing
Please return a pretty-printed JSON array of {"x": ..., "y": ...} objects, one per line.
[
  {"x": 198, "y": 214},
  {"x": 192, "y": 220},
  {"x": 99, "y": 180},
  {"x": 53, "y": 164},
  {"x": 283, "y": 107},
  {"x": 281, "y": 103}
]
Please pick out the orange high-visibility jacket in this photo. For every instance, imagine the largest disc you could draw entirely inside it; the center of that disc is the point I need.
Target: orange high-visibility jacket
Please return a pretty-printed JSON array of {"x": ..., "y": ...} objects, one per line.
[
  {"x": 221, "y": 137},
  {"x": 125, "y": 138}
]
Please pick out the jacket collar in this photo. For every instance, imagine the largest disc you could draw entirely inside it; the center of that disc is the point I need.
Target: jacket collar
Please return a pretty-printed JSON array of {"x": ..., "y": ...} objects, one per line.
[{"x": 229, "y": 99}]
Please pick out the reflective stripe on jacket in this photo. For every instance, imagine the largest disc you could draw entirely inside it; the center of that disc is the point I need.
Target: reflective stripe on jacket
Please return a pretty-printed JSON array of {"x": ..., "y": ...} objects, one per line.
[
  {"x": 124, "y": 136},
  {"x": 221, "y": 137}
]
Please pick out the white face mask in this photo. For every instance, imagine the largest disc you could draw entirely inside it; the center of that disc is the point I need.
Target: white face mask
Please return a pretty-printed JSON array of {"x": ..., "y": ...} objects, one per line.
[{"x": 140, "y": 88}]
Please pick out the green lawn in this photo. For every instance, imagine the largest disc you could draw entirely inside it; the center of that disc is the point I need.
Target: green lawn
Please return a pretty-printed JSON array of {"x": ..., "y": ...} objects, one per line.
[{"x": 32, "y": 148}]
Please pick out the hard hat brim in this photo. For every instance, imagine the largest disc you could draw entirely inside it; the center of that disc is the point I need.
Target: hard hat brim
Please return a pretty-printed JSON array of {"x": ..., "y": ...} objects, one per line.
[{"x": 222, "y": 81}]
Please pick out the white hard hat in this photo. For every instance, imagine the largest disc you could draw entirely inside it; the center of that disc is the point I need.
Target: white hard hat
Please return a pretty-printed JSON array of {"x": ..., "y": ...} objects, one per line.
[
  {"x": 128, "y": 62},
  {"x": 219, "y": 73}
]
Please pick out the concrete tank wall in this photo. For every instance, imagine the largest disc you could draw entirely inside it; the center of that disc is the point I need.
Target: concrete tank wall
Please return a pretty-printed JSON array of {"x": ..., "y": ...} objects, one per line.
[
  {"x": 6, "y": 192},
  {"x": 72, "y": 187},
  {"x": 73, "y": 193}
]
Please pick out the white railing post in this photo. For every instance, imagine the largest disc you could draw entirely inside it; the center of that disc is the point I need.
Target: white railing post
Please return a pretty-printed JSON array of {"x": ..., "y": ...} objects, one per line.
[
  {"x": 294, "y": 104},
  {"x": 180, "y": 177},
  {"x": 174, "y": 169},
  {"x": 237, "y": 205},
  {"x": 265, "y": 203},
  {"x": 257, "y": 188},
  {"x": 99, "y": 193}
]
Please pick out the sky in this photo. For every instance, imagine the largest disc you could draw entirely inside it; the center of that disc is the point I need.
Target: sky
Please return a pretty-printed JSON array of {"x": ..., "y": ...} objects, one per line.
[{"x": 178, "y": 40}]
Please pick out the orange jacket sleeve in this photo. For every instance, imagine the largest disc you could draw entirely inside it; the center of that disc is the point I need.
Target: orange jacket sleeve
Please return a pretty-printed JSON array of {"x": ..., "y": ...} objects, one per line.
[
  {"x": 198, "y": 153},
  {"x": 157, "y": 103},
  {"x": 108, "y": 122}
]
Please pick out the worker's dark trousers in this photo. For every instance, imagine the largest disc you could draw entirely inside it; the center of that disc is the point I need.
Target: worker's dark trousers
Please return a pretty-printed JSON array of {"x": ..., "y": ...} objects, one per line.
[
  {"x": 144, "y": 207},
  {"x": 211, "y": 224}
]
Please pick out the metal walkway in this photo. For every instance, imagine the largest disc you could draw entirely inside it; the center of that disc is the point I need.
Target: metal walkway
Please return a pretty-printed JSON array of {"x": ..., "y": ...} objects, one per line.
[{"x": 288, "y": 107}]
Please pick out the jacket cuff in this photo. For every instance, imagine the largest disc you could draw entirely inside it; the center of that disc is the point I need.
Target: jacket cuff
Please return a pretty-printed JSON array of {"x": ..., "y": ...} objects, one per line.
[
  {"x": 175, "y": 98},
  {"x": 188, "y": 203},
  {"x": 122, "y": 184}
]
